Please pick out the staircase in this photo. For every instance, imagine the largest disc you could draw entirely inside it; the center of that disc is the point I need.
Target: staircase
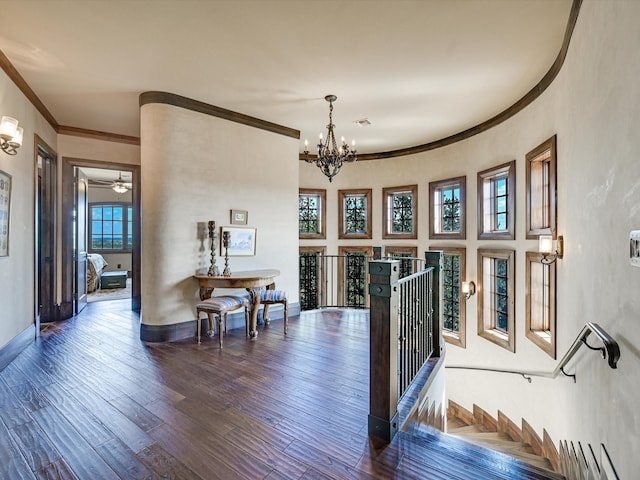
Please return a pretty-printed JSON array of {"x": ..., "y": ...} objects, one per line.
[
  {"x": 503, "y": 435},
  {"x": 455, "y": 456}
]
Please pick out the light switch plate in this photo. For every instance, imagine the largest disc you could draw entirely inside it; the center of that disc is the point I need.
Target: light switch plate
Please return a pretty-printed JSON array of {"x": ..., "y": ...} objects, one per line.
[{"x": 634, "y": 248}]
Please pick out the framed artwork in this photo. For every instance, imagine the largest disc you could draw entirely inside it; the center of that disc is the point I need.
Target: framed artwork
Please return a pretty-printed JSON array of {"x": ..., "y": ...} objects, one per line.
[
  {"x": 242, "y": 241},
  {"x": 5, "y": 204},
  {"x": 239, "y": 217}
]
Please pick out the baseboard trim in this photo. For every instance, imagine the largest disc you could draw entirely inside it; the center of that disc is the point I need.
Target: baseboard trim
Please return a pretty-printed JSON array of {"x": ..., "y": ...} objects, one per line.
[
  {"x": 185, "y": 330},
  {"x": 16, "y": 345}
]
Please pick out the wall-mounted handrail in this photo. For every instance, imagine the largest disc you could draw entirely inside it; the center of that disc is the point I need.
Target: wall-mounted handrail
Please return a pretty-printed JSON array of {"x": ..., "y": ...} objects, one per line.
[{"x": 609, "y": 351}]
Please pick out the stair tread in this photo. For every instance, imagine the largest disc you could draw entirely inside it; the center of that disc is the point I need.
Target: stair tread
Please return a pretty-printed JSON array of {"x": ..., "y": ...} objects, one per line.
[
  {"x": 502, "y": 443},
  {"x": 470, "y": 429},
  {"x": 472, "y": 460}
]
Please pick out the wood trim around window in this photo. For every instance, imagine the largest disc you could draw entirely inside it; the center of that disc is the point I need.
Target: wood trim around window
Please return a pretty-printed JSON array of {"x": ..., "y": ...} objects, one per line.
[
  {"x": 486, "y": 323},
  {"x": 438, "y": 185},
  {"x": 322, "y": 234},
  {"x": 543, "y": 336},
  {"x": 342, "y": 194},
  {"x": 459, "y": 339},
  {"x": 386, "y": 193},
  {"x": 541, "y": 214},
  {"x": 509, "y": 233}
]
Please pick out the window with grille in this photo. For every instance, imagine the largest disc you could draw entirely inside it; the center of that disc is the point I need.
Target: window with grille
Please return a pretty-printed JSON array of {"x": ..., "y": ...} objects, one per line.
[
  {"x": 496, "y": 202},
  {"x": 447, "y": 208},
  {"x": 540, "y": 288},
  {"x": 353, "y": 275},
  {"x": 355, "y": 213},
  {"x": 311, "y": 275},
  {"x": 496, "y": 297},
  {"x": 311, "y": 213},
  {"x": 407, "y": 257},
  {"x": 400, "y": 214},
  {"x": 541, "y": 189},
  {"x": 111, "y": 227},
  {"x": 453, "y": 301}
]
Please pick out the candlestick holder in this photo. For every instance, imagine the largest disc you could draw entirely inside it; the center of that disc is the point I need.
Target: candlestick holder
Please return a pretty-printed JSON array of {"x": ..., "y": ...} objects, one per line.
[
  {"x": 213, "y": 235},
  {"x": 225, "y": 241}
]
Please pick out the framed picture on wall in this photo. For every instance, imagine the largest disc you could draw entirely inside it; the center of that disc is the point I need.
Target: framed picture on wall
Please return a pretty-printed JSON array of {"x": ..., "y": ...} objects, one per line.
[
  {"x": 241, "y": 243},
  {"x": 239, "y": 217},
  {"x": 5, "y": 206}
]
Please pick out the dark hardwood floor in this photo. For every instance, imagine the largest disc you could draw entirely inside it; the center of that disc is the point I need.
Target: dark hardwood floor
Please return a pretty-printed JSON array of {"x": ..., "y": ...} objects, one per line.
[{"x": 89, "y": 400}]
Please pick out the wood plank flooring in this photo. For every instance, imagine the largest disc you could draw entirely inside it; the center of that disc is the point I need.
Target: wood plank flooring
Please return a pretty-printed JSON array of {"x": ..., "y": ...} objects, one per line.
[{"x": 89, "y": 400}]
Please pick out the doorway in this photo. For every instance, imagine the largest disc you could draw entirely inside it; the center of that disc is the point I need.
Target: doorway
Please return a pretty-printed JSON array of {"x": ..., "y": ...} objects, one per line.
[{"x": 74, "y": 274}]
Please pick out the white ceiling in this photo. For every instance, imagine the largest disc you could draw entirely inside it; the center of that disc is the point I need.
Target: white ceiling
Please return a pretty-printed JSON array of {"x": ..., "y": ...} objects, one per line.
[{"x": 418, "y": 70}]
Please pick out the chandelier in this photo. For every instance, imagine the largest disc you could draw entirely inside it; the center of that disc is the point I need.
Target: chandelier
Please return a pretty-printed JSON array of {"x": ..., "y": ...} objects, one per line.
[{"x": 330, "y": 158}]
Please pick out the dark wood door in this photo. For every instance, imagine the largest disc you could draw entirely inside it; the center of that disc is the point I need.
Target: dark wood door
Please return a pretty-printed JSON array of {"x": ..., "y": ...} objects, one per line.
[{"x": 45, "y": 237}]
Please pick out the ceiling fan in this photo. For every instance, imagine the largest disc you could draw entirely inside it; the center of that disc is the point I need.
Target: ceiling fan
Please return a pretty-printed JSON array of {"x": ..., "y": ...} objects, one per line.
[{"x": 120, "y": 185}]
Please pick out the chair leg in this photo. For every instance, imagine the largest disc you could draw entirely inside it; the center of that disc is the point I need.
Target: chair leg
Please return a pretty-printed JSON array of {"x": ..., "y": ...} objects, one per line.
[
  {"x": 199, "y": 326},
  {"x": 222, "y": 322},
  {"x": 246, "y": 320},
  {"x": 210, "y": 321},
  {"x": 286, "y": 317}
]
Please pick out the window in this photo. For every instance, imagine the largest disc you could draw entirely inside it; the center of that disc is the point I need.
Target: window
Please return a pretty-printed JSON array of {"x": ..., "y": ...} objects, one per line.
[
  {"x": 355, "y": 213},
  {"x": 454, "y": 316},
  {"x": 447, "y": 208},
  {"x": 311, "y": 213},
  {"x": 496, "y": 299},
  {"x": 496, "y": 202},
  {"x": 541, "y": 189},
  {"x": 406, "y": 256},
  {"x": 540, "y": 291},
  {"x": 311, "y": 277},
  {"x": 352, "y": 271},
  {"x": 111, "y": 226},
  {"x": 400, "y": 214}
]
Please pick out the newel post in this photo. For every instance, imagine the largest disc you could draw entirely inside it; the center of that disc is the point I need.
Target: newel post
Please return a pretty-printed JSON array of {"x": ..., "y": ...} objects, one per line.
[
  {"x": 383, "y": 350},
  {"x": 435, "y": 259}
]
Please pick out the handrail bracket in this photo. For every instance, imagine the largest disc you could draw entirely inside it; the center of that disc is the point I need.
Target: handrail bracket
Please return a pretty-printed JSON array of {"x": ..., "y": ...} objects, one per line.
[{"x": 568, "y": 374}]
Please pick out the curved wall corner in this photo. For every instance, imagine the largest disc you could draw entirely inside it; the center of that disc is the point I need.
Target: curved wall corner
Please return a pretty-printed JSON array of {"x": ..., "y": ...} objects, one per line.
[{"x": 196, "y": 167}]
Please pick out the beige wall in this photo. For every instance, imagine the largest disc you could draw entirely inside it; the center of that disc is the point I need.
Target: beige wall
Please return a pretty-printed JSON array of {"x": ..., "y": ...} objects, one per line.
[
  {"x": 17, "y": 270},
  {"x": 195, "y": 168},
  {"x": 594, "y": 108}
]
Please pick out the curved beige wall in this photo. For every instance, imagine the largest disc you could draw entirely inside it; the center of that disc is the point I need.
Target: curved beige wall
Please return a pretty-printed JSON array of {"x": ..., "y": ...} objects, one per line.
[
  {"x": 593, "y": 106},
  {"x": 196, "y": 168}
]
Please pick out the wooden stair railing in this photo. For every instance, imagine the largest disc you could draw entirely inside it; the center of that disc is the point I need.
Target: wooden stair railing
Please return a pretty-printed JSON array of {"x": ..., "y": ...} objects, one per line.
[{"x": 610, "y": 351}]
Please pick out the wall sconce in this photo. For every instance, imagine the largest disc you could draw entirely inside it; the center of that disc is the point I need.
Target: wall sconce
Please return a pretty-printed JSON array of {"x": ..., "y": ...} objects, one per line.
[
  {"x": 10, "y": 135},
  {"x": 468, "y": 288},
  {"x": 546, "y": 248}
]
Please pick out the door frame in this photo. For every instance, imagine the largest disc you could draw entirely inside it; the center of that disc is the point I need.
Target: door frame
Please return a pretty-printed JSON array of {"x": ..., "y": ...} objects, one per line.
[
  {"x": 67, "y": 282},
  {"x": 45, "y": 234}
]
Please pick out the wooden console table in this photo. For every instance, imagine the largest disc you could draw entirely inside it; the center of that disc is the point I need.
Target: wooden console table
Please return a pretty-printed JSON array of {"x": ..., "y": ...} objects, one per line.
[{"x": 252, "y": 280}]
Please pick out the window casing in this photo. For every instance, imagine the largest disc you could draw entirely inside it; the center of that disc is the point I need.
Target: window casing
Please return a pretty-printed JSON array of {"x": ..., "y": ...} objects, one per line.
[
  {"x": 541, "y": 189},
  {"x": 496, "y": 296},
  {"x": 312, "y": 213},
  {"x": 454, "y": 312},
  {"x": 447, "y": 208},
  {"x": 540, "y": 292},
  {"x": 496, "y": 202},
  {"x": 400, "y": 212},
  {"x": 110, "y": 227},
  {"x": 354, "y": 214}
]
